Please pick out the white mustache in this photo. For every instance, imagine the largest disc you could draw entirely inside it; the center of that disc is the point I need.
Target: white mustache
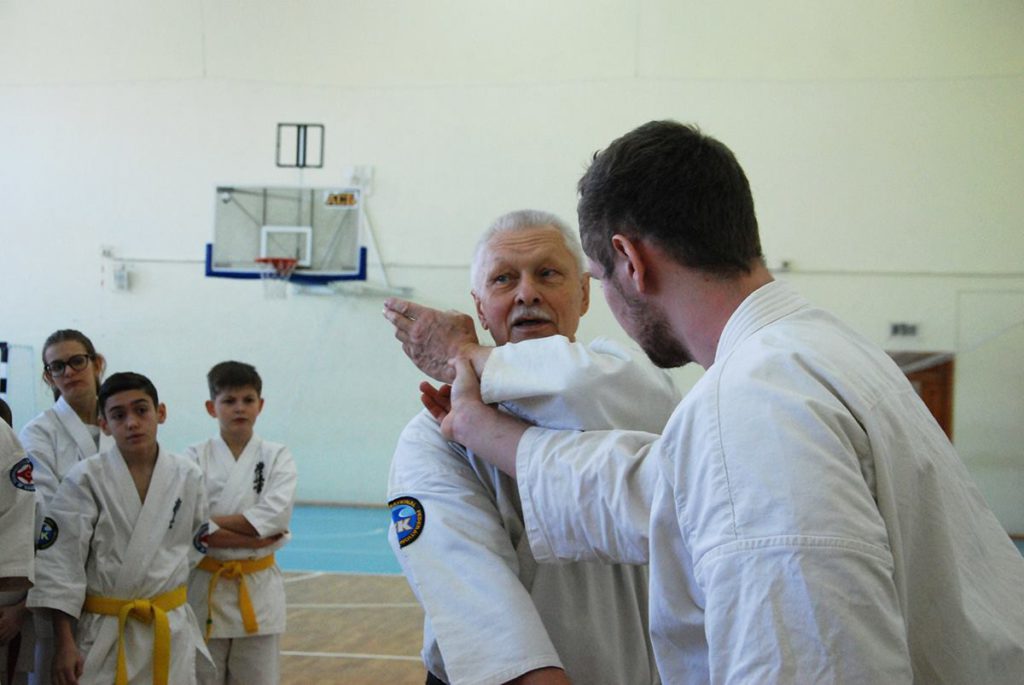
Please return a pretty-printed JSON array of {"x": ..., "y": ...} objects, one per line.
[{"x": 535, "y": 313}]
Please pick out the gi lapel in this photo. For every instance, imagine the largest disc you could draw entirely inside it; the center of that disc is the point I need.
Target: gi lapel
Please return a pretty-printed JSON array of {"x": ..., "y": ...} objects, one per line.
[
  {"x": 115, "y": 471},
  {"x": 73, "y": 426},
  {"x": 151, "y": 525},
  {"x": 239, "y": 484}
]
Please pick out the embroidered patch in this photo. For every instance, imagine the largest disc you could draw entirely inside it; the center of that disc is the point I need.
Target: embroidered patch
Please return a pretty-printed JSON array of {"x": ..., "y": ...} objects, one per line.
[
  {"x": 21, "y": 475},
  {"x": 409, "y": 518},
  {"x": 199, "y": 539},
  {"x": 47, "y": 534}
]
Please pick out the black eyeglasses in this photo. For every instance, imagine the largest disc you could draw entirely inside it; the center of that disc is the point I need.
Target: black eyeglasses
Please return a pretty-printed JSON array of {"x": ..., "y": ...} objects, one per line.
[{"x": 77, "y": 362}]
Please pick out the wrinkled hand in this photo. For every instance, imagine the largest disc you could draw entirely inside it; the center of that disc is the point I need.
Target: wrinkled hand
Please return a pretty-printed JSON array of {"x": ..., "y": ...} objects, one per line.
[
  {"x": 11, "y": 618},
  {"x": 438, "y": 401},
  {"x": 430, "y": 337}
]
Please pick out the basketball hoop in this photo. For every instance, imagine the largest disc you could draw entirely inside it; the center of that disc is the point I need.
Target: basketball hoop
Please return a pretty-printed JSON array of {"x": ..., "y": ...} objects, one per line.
[{"x": 276, "y": 273}]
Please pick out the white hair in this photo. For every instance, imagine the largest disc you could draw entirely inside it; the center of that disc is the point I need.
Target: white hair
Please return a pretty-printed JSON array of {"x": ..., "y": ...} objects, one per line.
[{"x": 521, "y": 220}]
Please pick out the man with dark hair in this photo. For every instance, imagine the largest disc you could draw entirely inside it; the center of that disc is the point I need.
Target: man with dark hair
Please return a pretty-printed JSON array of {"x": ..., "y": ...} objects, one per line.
[
  {"x": 643, "y": 186},
  {"x": 809, "y": 520}
]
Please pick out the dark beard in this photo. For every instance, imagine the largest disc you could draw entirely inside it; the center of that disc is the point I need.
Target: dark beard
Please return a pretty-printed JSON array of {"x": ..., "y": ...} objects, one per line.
[
  {"x": 657, "y": 342},
  {"x": 654, "y": 335}
]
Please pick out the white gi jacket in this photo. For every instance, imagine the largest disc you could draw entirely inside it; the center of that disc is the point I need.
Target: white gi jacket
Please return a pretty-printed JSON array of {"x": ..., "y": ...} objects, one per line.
[
  {"x": 810, "y": 523},
  {"x": 56, "y": 440},
  {"x": 17, "y": 509},
  {"x": 104, "y": 541},
  {"x": 17, "y": 536},
  {"x": 260, "y": 485},
  {"x": 493, "y": 613}
]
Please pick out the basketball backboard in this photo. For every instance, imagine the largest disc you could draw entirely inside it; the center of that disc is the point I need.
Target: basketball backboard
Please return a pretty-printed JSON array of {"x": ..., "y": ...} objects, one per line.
[{"x": 318, "y": 227}]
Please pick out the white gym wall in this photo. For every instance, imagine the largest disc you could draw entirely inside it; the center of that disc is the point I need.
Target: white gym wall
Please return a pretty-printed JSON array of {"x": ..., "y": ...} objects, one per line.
[{"x": 883, "y": 141}]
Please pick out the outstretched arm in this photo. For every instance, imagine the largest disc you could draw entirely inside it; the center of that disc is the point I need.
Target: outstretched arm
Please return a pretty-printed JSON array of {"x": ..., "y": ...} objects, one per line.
[
  {"x": 554, "y": 468},
  {"x": 558, "y": 383}
]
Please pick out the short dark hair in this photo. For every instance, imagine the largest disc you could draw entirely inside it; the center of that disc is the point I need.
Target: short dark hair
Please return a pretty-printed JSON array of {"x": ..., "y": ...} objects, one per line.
[
  {"x": 5, "y": 413},
  {"x": 669, "y": 183},
  {"x": 232, "y": 374},
  {"x": 126, "y": 380}
]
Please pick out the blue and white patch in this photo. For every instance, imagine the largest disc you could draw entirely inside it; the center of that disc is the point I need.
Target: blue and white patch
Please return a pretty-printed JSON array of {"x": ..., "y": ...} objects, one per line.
[
  {"x": 199, "y": 539},
  {"x": 409, "y": 518},
  {"x": 47, "y": 534},
  {"x": 21, "y": 475}
]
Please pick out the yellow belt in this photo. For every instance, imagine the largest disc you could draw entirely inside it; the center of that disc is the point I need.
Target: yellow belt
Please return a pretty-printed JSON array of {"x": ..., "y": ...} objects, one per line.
[
  {"x": 234, "y": 569},
  {"x": 153, "y": 610}
]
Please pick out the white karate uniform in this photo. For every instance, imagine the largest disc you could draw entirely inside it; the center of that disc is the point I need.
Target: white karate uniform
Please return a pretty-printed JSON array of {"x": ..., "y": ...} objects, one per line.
[
  {"x": 55, "y": 440},
  {"x": 17, "y": 539},
  {"x": 492, "y": 612},
  {"x": 810, "y": 521},
  {"x": 260, "y": 485},
  {"x": 110, "y": 544}
]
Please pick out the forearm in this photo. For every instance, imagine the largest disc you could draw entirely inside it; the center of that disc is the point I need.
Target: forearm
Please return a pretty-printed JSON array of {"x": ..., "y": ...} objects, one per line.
[
  {"x": 229, "y": 538},
  {"x": 555, "y": 383},
  {"x": 478, "y": 356},
  {"x": 63, "y": 628},
  {"x": 492, "y": 435},
  {"x": 236, "y": 523},
  {"x": 67, "y": 661},
  {"x": 15, "y": 583}
]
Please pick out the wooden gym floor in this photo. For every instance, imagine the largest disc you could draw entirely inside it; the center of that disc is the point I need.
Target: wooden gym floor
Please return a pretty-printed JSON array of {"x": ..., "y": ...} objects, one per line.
[{"x": 353, "y": 629}]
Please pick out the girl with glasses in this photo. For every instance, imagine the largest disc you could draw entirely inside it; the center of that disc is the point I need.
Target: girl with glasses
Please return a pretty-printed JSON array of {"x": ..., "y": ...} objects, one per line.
[{"x": 59, "y": 438}]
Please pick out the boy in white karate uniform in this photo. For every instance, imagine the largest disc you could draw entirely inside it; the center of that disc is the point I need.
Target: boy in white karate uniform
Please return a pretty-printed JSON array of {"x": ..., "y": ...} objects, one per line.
[
  {"x": 115, "y": 548},
  {"x": 250, "y": 484}
]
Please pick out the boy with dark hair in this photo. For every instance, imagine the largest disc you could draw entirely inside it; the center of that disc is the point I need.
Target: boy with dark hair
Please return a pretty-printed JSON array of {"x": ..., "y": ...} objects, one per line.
[
  {"x": 114, "y": 551},
  {"x": 250, "y": 483}
]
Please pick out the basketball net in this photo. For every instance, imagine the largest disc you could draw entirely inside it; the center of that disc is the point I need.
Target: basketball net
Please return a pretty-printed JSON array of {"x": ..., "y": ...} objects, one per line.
[{"x": 276, "y": 273}]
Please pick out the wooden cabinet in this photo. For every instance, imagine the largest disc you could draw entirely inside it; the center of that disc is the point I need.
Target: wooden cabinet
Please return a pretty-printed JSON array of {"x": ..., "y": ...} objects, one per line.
[{"x": 931, "y": 374}]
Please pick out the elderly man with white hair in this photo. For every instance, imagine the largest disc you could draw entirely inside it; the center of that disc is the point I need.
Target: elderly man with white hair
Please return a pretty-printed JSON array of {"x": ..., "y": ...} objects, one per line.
[{"x": 493, "y": 614}]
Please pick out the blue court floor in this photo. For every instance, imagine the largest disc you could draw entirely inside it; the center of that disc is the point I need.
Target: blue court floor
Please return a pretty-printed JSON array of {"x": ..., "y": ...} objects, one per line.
[
  {"x": 347, "y": 540},
  {"x": 339, "y": 540}
]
